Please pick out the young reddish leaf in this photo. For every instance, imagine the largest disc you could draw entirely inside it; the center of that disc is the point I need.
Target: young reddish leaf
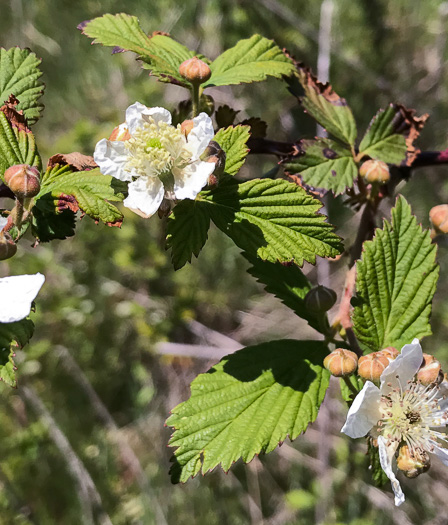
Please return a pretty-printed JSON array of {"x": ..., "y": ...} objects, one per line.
[{"x": 75, "y": 160}]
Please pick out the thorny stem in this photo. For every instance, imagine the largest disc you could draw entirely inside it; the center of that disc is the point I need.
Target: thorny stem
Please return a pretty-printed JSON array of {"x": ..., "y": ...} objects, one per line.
[{"x": 17, "y": 214}]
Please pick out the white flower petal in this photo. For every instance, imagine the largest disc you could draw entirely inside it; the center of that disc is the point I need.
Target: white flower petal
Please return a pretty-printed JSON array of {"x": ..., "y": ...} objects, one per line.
[
  {"x": 3, "y": 221},
  {"x": 405, "y": 366},
  {"x": 364, "y": 412},
  {"x": 189, "y": 181},
  {"x": 386, "y": 455},
  {"x": 135, "y": 115},
  {"x": 16, "y": 295},
  {"x": 111, "y": 157},
  {"x": 200, "y": 136},
  {"x": 441, "y": 453},
  {"x": 145, "y": 194}
]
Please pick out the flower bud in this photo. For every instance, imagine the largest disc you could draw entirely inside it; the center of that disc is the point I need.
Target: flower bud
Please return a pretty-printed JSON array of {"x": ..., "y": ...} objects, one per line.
[
  {"x": 8, "y": 247},
  {"x": 375, "y": 171},
  {"x": 439, "y": 218},
  {"x": 320, "y": 299},
  {"x": 121, "y": 132},
  {"x": 390, "y": 352},
  {"x": 23, "y": 180},
  {"x": 341, "y": 362},
  {"x": 371, "y": 366},
  {"x": 430, "y": 371},
  {"x": 195, "y": 71},
  {"x": 412, "y": 464},
  {"x": 186, "y": 127}
]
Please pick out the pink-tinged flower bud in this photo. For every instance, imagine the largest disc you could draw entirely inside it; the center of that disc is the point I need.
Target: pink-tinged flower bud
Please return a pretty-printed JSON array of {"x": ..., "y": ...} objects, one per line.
[
  {"x": 23, "y": 180},
  {"x": 186, "y": 127},
  {"x": 320, "y": 299},
  {"x": 390, "y": 352},
  {"x": 375, "y": 171},
  {"x": 371, "y": 366},
  {"x": 341, "y": 362},
  {"x": 195, "y": 71},
  {"x": 121, "y": 132},
  {"x": 439, "y": 218},
  {"x": 412, "y": 464},
  {"x": 8, "y": 247},
  {"x": 430, "y": 371}
]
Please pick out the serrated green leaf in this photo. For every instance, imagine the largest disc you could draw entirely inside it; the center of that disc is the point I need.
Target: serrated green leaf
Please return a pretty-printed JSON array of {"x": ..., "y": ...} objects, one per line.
[
  {"x": 287, "y": 282},
  {"x": 325, "y": 106},
  {"x": 19, "y": 76},
  {"x": 160, "y": 53},
  {"x": 233, "y": 141},
  {"x": 391, "y": 134},
  {"x": 88, "y": 191},
  {"x": 395, "y": 283},
  {"x": 248, "y": 403},
  {"x": 187, "y": 231},
  {"x": 251, "y": 60},
  {"x": 273, "y": 219},
  {"x": 12, "y": 336},
  {"x": 323, "y": 163},
  {"x": 17, "y": 146}
]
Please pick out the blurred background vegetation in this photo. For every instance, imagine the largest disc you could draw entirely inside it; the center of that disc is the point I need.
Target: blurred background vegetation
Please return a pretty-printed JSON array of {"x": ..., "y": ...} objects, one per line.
[{"x": 83, "y": 439}]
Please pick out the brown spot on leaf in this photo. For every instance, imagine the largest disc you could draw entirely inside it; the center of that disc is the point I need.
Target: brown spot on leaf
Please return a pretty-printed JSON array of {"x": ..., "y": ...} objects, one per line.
[
  {"x": 311, "y": 83},
  {"x": 297, "y": 179},
  {"x": 328, "y": 153},
  {"x": 76, "y": 160},
  {"x": 82, "y": 25},
  {"x": 117, "y": 49},
  {"x": 67, "y": 202},
  {"x": 16, "y": 118},
  {"x": 333, "y": 173},
  {"x": 406, "y": 123}
]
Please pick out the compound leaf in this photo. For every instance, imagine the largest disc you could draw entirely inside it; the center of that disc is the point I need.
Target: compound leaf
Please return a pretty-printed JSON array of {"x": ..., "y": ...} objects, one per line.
[{"x": 233, "y": 141}]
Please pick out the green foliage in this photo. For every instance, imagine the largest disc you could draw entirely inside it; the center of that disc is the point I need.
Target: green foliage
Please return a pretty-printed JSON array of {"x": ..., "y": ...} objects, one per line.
[
  {"x": 160, "y": 53},
  {"x": 274, "y": 219},
  {"x": 48, "y": 223},
  {"x": 287, "y": 282},
  {"x": 347, "y": 394},
  {"x": 391, "y": 134},
  {"x": 12, "y": 337},
  {"x": 19, "y": 76},
  {"x": 187, "y": 230},
  {"x": 378, "y": 475},
  {"x": 88, "y": 191},
  {"x": 382, "y": 140},
  {"x": 326, "y": 107},
  {"x": 250, "y": 60},
  {"x": 247, "y": 404},
  {"x": 233, "y": 141},
  {"x": 396, "y": 281},
  {"x": 323, "y": 163},
  {"x": 17, "y": 146}
]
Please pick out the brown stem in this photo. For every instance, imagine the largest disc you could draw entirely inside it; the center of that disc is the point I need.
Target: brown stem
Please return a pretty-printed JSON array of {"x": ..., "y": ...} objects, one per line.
[{"x": 344, "y": 310}]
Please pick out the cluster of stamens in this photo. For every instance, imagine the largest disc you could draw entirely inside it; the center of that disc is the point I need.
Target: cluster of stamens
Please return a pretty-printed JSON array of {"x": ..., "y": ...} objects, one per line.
[
  {"x": 411, "y": 415},
  {"x": 155, "y": 148}
]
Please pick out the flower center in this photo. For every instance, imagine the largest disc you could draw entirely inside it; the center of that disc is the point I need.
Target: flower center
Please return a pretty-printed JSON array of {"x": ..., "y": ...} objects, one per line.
[
  {"x": 411, "y": 415},
  {"x": 155, "y": 148}
]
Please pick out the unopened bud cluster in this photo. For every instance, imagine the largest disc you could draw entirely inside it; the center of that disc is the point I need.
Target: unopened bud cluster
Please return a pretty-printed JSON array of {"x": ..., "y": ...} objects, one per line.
[
  {"x": 375, "y": 171},
  {"x": 430, "y": 371},
  {"x": 341, "y": 362},
  {"x": 23, "y": 180}
]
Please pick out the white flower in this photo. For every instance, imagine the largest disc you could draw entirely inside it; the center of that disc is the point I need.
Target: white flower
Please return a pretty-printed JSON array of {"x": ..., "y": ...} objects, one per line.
[
  {"x": 401, "y": 412},
  {"x": 16, "y": 295},
  {"x": 156, "y": 157}
]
